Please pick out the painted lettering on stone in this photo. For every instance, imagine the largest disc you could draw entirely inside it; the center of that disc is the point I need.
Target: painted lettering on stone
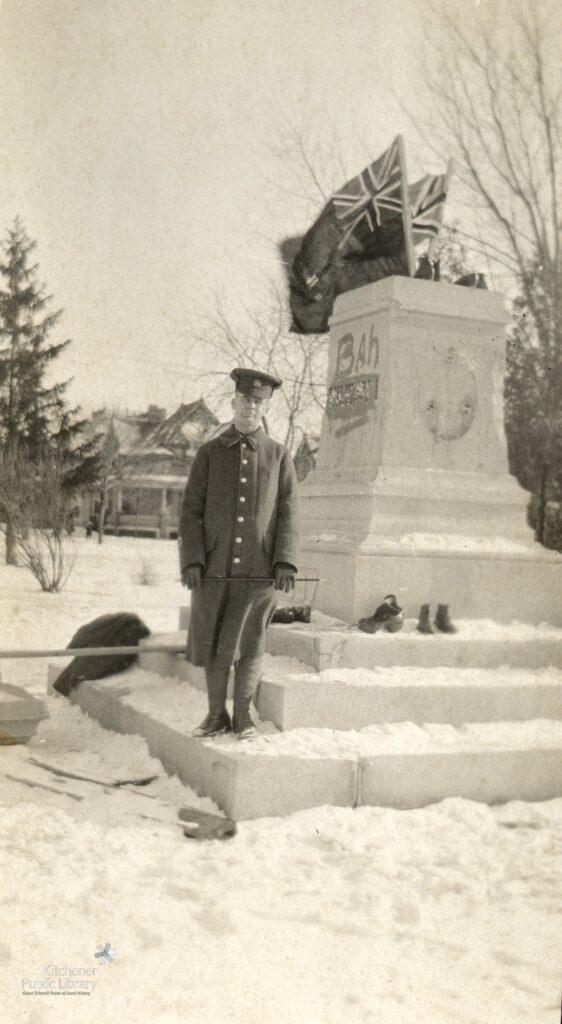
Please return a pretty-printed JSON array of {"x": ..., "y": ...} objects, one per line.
[
  {"x": 355, "y": 354},
  {"x": 354, "y": 390}
]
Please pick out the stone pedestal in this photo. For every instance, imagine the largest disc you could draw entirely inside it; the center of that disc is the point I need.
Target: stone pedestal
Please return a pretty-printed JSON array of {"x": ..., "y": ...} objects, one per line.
[{"x": 412, "y": 492}]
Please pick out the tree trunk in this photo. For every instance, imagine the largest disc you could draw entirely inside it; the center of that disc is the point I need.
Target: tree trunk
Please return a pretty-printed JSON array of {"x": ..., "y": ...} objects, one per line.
[
  {"x": 11, "y": 545},
  {"x": 101, "y": 517},
  {"x": 541, "y": 509}
]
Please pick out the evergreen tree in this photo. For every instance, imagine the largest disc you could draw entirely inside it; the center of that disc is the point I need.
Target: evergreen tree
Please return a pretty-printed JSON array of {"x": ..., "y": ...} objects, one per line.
[
  {"x": 35, "y": 420},
  {"x": 533, "y": 393}
]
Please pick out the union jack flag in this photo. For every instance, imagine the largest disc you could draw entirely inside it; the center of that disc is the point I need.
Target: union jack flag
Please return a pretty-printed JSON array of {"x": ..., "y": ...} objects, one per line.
[
  {"x": 361, "y": 204},
  {"x": 427, "y": 202}
]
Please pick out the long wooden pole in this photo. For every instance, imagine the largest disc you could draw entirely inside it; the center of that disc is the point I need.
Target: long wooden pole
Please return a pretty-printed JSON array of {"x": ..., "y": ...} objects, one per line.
[{"x": 92, "y": 652}]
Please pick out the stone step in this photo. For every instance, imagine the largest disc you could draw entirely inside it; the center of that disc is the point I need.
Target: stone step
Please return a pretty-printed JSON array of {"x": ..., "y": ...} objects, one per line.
[
  {"x": 292, "y": 697},
  {"x": 348, "y": 699},
  {"x": 278, "y": 773},
  {"x": 479, "y": 643}
]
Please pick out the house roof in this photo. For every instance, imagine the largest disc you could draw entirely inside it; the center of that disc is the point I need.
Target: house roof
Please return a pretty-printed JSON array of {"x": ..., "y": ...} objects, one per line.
[
  {"x": 186, "y": 429},
  {"x": 129, "y": 428}
]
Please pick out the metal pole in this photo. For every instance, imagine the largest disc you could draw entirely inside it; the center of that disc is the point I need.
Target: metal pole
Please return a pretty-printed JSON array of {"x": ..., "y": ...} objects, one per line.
[{"x": 256, "y": 579}]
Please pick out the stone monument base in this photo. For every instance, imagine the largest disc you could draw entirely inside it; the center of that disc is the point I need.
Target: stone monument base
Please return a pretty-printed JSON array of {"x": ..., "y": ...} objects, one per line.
[
  {"x": 475, "y": 584},
  {"x": 412, "y": 493}
]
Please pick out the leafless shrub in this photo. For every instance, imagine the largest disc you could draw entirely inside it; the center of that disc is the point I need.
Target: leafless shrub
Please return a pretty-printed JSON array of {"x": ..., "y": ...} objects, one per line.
[{"x": 38, "y": 511}]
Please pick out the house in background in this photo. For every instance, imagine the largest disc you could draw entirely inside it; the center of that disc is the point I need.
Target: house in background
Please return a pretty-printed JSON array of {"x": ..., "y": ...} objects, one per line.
[{"x": 154, "y": 457}]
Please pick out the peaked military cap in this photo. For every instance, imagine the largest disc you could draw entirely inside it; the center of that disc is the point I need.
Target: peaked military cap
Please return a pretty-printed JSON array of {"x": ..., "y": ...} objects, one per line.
[{"x": 255, "y": 383}]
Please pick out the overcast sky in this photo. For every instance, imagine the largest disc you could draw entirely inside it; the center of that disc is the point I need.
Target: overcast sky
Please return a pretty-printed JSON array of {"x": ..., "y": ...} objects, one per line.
[{"x": 137, "y": 145}]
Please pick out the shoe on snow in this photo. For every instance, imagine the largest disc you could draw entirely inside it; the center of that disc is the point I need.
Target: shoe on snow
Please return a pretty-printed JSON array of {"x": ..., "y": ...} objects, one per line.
[
  {"x": 424, "y": 625},
  {"x": 243, "y": 727},
  {"x": 388, "y": 616},
  {"x": 201, "y": 825},
  {"x": 442, "y": 620},
  {"x": 214, "y": 725}
]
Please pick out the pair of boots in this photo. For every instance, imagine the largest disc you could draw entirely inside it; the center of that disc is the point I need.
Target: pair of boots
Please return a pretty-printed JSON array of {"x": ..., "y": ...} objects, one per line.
[
  {"x": 247, "y": 674},
  {"x": 300, "y": 613},
  {"x": 441, "y": 622}
]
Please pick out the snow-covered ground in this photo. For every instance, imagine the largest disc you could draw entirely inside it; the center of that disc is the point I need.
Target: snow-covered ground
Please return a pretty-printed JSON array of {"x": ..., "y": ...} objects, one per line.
[{"x": 446, "y": 914}]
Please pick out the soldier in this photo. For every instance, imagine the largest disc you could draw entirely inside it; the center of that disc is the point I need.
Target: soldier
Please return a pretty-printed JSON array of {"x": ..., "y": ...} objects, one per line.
[{"x": 238, "y": 521}]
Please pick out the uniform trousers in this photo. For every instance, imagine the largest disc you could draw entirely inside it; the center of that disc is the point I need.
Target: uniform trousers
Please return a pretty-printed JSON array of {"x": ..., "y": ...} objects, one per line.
[{"x": 247, "y": 674}]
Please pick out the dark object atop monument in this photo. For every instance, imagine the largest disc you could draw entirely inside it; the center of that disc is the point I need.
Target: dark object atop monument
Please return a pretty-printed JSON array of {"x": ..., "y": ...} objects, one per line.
[
  {"x": 358, "y": 238},
  {"x": 428, "y": 270},
  {"x": 472, "y": 281},
  {"x": 121, "y": 629},
  {"x": 366, "y": 231}
]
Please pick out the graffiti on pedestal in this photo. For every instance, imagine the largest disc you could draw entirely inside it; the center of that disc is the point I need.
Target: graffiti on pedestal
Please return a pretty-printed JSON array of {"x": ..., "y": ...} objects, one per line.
[{"x": 353, "y": 393}]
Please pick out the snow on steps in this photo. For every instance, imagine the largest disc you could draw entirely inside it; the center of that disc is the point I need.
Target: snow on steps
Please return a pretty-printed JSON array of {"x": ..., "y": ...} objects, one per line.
[
  {"x": 356, "y": 734},
  {"x": 292, "y": 696},
  {"x": 399, "y": 765},
  {"x": 479, "y": 643}
]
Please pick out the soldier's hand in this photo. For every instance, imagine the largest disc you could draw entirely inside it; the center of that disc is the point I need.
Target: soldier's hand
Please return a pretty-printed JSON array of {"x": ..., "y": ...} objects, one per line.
[
  {"x": 191, "y": 576},
  {"x": 284, "y": 577}
]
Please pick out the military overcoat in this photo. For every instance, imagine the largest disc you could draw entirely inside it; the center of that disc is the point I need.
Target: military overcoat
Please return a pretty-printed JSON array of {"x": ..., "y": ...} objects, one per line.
[{"x": 238, "y": 519}]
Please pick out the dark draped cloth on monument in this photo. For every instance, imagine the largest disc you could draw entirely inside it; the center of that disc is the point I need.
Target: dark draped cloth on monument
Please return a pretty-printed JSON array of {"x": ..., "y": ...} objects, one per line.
[{"x": 357, "y": 239}]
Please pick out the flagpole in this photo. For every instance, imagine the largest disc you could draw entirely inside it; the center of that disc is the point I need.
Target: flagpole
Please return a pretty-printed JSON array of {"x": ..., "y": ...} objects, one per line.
[
  {"x": 433, "y": 241},
  {"x": 406, "y": 212}
]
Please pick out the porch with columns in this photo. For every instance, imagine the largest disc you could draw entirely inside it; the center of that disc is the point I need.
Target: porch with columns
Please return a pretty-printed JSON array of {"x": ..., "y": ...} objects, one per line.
[{"x": 139, "y": 517}]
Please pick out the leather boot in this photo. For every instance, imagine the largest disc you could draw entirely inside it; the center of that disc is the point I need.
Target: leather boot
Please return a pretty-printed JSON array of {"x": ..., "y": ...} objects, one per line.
[
  {"x": 283, "y": 615},
  {"x": 247, "y": 674},
  {"x": 303, "y": 613},
  {"x": 215, "y": 724},
  {"x": 242, "y": 722},
  {"x": 442, "y": 620},
  {"x": 218, "y": 719},
  {"x": 424, "y": 625}
]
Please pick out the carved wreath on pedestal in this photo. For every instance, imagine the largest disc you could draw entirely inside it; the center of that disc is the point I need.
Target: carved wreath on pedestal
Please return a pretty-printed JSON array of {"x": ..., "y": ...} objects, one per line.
[{"x": 447, "y": 394}]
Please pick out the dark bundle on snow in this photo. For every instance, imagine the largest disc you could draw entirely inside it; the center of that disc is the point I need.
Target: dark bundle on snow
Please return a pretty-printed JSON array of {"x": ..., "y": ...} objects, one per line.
[{"x": 120, "y": 629}]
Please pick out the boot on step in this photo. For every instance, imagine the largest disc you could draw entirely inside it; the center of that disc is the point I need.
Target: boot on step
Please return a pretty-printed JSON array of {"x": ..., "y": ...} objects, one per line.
[
  {"x": 442, "y": 620},
  {"x": 424, "y": 625},
  {"x": 218, "y": 719},
  {"x": 215, "y": 724},
  {"x": 242, "y": 724}
]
